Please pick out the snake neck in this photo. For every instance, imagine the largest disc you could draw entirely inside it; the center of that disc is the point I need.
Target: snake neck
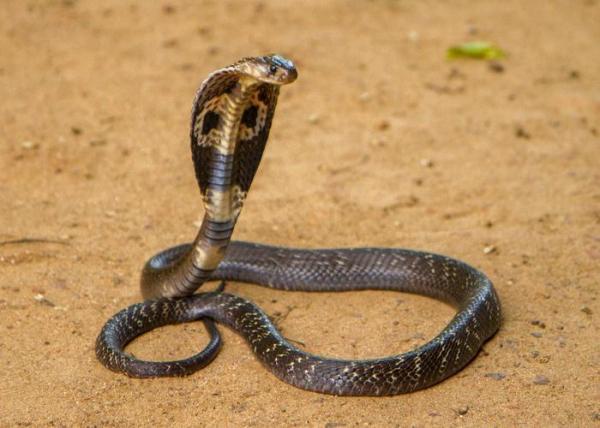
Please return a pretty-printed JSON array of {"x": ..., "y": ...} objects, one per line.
[
  {"x": 180, "y": 271},
  {"x": 223, "y": 199}
]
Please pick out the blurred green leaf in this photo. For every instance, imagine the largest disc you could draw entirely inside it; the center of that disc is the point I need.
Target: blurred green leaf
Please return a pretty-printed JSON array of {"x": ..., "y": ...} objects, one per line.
[{"x": 477, "y": 50}]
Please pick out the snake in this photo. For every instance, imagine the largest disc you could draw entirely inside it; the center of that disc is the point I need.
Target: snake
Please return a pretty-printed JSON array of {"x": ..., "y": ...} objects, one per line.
[{"x": 231, "y": 118}]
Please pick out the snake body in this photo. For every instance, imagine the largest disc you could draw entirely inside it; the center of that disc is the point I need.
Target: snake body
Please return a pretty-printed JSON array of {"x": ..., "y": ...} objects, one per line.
[{"x": 231, "y": 119}]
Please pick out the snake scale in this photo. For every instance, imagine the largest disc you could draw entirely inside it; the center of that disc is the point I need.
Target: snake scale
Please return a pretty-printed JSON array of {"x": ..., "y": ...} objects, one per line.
[{"x": 231, "y": 118}]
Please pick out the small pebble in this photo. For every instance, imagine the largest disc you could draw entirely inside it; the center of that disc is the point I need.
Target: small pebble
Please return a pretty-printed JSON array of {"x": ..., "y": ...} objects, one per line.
[
  {"x": 544, "y": 359},
  {"x": 314, "y": 118},
  {"x": 168, "y": 9},
  {"x": 427, "y": 163},
  {"x": 520, "y": 132},
  {"x": 29, "y": 145},
  {"x": 462, "y": 410},
  {"x": 204, "y": 31},
  {"x": 541, "y": 380},
  {"x": 539, "y": 323},
  {"x": 42, "y": 299},
  {"x": 383, "y": 125},
  {"x": 496, "y": 67},
  {"x": 365, "y": 96},
  {"x": 170, "y": 43},
  {"x": 76, "y": 130},
  {"x": 495, "y": 375},
  {"x": 537, "y": 334},
  {"x": 489, "y": 249},
  {"x": 586, "y": 310}
]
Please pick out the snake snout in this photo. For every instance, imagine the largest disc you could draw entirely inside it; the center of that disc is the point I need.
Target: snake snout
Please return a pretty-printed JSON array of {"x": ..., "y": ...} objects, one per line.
[{"x": 290, "y": 76}]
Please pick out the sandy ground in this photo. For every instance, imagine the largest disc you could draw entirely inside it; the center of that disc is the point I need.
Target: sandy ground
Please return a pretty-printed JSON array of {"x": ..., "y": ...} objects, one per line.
[{"x": 381, "y": 141}]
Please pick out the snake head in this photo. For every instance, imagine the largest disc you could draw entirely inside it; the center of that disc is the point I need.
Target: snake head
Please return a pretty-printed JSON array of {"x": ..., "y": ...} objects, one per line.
[{"x": 273, "y": 69}]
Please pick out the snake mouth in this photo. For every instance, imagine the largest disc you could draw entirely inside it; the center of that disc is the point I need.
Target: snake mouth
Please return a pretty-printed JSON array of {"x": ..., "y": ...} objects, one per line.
[{"x": 289, "y": 76}]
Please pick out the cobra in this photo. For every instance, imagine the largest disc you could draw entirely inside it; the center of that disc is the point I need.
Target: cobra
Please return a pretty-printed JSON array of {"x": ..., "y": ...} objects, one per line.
[{"x": 231, "y": 118}]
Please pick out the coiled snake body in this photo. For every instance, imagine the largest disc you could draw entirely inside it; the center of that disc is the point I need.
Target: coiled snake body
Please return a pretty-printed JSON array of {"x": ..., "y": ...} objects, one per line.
[{"x": 231, "y": 119}]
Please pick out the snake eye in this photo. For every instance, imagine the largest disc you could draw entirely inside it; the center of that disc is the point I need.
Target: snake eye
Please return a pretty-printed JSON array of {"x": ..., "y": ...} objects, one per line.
[{"x": 273, "y": 68}]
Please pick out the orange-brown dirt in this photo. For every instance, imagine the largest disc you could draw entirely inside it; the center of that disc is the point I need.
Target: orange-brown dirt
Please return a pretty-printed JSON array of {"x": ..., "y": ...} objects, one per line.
[{"x": 382, "y": 142}]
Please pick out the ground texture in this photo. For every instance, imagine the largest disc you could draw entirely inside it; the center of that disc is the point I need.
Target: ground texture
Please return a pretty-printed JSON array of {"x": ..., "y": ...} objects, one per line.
[{"x": 382, "y": 141}]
